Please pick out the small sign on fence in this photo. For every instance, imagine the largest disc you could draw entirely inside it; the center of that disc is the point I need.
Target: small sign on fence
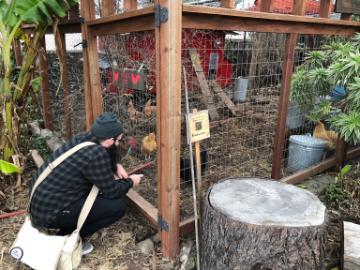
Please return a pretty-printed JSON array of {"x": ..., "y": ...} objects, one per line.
[
  {"x": 198, "y": 127},
  {"x": 128, "y": 78}
]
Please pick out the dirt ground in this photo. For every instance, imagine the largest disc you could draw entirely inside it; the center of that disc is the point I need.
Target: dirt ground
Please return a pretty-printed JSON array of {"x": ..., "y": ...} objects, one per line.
[{"x": 115, "y": 246}]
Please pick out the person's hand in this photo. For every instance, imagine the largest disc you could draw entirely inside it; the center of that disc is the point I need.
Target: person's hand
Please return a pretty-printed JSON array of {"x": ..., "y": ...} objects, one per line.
[
  {"x": 121, "y": 172},
  {"x": 136, "y": 178}
]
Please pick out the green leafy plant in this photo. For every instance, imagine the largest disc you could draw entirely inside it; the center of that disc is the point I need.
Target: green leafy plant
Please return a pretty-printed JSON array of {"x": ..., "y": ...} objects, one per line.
[
  {"x": 16, "y": 88},
  {"x": 335, "y": 192},
  {"x": 337, "y": 64},
  {"x": 8, "y": 168}
]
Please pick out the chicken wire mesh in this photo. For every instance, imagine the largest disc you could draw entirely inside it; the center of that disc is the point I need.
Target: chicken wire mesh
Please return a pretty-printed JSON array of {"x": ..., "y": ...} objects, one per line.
[
  {"x": 236, "y": 77},
  {"x": 127, "y": 70},
  {"x": 76, "y": 106}
]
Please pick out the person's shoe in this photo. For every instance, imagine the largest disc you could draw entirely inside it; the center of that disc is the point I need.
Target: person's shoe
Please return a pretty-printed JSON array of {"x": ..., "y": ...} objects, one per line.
[{"x": 87, "y": 247}]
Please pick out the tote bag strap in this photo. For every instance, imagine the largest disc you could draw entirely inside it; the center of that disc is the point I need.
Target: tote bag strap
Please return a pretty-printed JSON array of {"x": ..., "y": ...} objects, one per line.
[
  {"x": 87, "y": 207},
  {"x": 54, "y": 164}
]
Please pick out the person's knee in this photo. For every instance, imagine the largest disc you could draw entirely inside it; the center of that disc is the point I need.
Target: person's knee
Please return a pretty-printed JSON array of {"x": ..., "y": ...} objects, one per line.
[{"x": 118, "y": 208}]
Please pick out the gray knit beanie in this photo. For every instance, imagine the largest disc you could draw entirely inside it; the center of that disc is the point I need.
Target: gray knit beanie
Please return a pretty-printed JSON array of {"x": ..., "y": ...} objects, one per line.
[{"x": 106, "y": 126}]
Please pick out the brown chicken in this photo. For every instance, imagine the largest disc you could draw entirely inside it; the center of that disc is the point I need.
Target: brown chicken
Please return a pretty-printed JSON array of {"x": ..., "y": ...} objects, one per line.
[
  {"x": 149, "y": 109},
  {"x": 133, "y": 113},
  {"x": 329, "y": 136},
  {"x": 148, "y": 145}
]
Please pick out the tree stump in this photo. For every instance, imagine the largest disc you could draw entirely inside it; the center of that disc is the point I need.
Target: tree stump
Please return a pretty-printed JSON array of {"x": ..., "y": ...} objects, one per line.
[{"x": 257, "y": 224}]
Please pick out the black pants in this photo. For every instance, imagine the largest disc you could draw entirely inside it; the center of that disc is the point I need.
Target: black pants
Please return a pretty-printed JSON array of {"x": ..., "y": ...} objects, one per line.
[{"x": 103, "y": 213}]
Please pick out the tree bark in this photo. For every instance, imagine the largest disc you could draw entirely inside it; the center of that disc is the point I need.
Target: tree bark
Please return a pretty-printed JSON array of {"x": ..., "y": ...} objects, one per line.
[{"x": 274, "y": 227}]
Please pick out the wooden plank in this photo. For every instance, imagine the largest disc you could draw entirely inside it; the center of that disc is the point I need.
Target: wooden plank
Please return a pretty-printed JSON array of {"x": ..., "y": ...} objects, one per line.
[
  {"x": 228, "y": 3},
  {"x": 348, "y": 6},
  {"x": 88, "y": 13},
  {"x": 351, "y": 246},
  {"x": 187, "y": 226},
  {"x": 287, "y": 71},
  {"x": 107, "y": 7},
  {"x": 221, "y": 94},
  {"x": 168, "y": 59},
  {"x": 130, "y": 5},
  {"x": 67, "y": 27},
  {"x": 66, "y": 87},
  {"x": 353, "y": 153},
  {"x": 136, "y": 24},
  {"x": 266, "y": 5},
  {"x": 131, "y": 21},
  {"x": 340, "y": 152},
  {"x": 196, "y": 17},
  {"x": 86, "y": 78},
  {"x": 145, "y": 207},
  {"x": 45, "y": 87},
  {"x": 300, "y": 176},
  {"x": 325, "y": 8},
  {"x": 207, "y": 96}
]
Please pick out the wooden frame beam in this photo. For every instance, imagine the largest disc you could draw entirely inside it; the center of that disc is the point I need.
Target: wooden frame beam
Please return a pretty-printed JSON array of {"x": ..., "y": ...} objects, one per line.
[
  {"x": 45, "y": 88},
  {"x": 91, "y": 53},
  {"x": 131, "y": 21},
  {"x": 67, "y": 27},
  {"x": 288, "y": 67},
  {"x": 199, "y": 17},
  {"x": 168, "y": 125}
]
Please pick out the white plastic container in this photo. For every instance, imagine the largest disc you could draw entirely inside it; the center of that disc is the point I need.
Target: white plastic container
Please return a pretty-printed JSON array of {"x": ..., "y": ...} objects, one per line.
[
  {"x": 304, "y": 151},
  {"x": 240, "y": 89}
]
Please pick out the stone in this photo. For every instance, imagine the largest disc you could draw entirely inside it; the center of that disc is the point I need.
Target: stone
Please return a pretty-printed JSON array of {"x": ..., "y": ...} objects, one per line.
[{"x": 146, "y": 246}]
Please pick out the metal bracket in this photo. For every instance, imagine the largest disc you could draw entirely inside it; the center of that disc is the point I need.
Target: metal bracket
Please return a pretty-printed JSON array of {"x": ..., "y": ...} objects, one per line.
[
  {"x": 162, "y": 224},
  {"x": 161, "y": 15},
  {"x": 83, "y": 43}
]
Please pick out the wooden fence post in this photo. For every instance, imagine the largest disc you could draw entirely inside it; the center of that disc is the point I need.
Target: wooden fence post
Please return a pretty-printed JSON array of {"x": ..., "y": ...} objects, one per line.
[
  {"x": 168, "y": 85},
  {"x": 288, "y": 66},
  {"x": 45, "y": 89},
  {"x": 93, "y": 92}
]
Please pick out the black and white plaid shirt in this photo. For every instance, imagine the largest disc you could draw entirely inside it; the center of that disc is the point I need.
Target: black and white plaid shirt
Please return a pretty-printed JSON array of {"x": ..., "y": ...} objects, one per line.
[{"x": 73, "y": 178}]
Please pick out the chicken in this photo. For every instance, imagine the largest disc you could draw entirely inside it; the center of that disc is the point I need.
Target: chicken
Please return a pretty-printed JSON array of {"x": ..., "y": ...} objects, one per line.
[
  {"x": 329, "y": 136},
  {"x": 148, "y": 145},
  {"x": 133, "y": 113},
  {"x": 185, "y": 169},
  {"x": 149, "y": 109}
]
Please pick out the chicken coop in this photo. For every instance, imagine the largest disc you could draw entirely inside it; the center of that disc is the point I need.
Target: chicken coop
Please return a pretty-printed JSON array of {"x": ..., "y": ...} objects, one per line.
[{"x": 236, "y": 60}]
